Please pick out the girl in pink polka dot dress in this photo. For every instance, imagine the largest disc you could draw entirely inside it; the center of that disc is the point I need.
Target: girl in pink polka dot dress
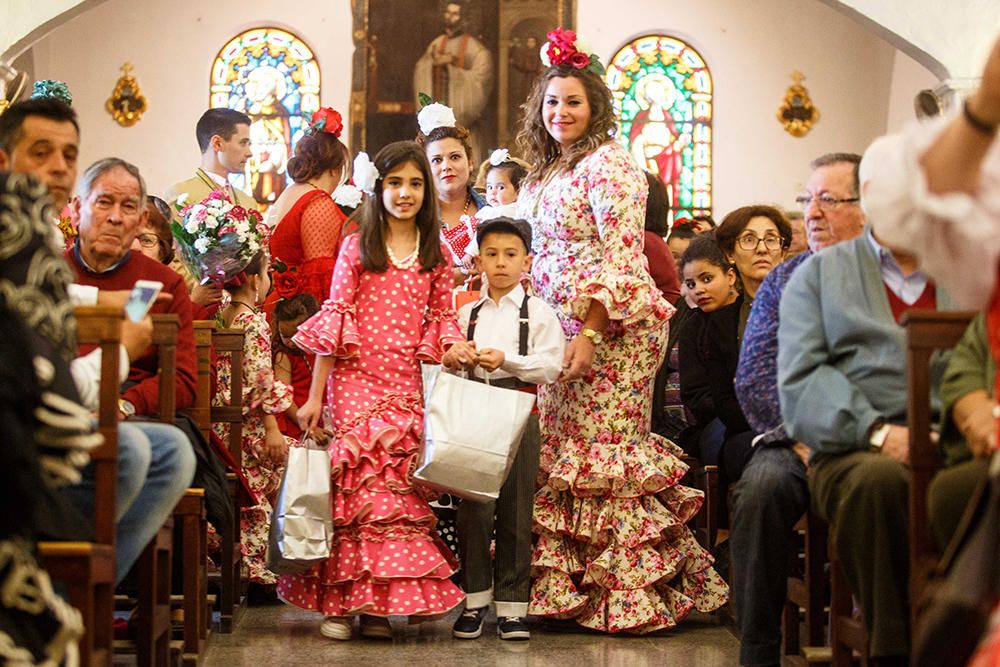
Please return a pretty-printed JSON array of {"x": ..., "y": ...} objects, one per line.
[{"x": 389, "y": 309}]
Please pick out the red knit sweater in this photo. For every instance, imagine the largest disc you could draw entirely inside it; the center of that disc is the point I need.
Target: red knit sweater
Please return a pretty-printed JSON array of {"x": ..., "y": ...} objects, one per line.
[{"x": 145, "y": 395}]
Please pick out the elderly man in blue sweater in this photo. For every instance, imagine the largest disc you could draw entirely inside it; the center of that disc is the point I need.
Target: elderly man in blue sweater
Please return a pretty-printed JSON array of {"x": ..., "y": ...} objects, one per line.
[{"x": 772, "y": 492}]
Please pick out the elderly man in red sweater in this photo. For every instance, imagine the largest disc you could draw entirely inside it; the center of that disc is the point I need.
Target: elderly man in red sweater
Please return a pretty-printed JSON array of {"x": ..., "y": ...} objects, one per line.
[{"x": 110, "y": 207}]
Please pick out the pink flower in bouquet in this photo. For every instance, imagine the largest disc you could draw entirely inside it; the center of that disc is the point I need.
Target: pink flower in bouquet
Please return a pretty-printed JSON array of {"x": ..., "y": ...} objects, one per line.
[
  {"x": 227, "y": 229},
  {"x": 238, "y": 213},
  {"x": 217, "y": 194}
]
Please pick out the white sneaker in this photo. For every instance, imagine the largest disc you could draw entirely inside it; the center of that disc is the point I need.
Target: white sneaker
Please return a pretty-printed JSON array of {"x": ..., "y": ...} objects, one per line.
[
  {"x": 337, "y": 627},
  {"x": 375, "y": 627}
]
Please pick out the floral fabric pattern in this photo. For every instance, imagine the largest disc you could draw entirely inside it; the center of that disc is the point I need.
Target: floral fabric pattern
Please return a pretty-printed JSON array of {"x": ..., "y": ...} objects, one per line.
[
  {"x": 613, "y": 551},
  {"x": 262, "y": 394},
  {"x": 386, "y": 558}
]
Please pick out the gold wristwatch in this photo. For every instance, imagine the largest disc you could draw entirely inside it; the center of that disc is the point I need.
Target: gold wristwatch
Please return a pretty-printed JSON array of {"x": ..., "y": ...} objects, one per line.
[{"x": 596, "y": 337}]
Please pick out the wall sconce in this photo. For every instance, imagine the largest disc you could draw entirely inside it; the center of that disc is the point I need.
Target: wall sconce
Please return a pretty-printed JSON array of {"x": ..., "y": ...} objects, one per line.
[
  {"x": 797, "y": 114},
  {"x": 126, "y": 104}
]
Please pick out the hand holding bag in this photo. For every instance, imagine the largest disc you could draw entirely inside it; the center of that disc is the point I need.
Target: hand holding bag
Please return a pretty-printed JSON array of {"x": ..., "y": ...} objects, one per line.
[
  {"x": 302, "y": 521},
  {"x": 472, "y": 431}
]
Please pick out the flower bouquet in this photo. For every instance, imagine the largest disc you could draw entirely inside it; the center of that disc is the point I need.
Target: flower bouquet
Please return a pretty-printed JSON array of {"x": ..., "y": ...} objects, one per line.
[{"x": 217, "y": 238}]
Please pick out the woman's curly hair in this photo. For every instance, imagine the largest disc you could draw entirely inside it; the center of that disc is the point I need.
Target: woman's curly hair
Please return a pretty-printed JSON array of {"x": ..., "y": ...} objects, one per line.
[{"x": 537, "y": 145}]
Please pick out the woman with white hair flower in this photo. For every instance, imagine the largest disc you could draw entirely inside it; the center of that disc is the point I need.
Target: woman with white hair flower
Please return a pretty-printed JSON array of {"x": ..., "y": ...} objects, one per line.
[{"x": 449, "y": 151}]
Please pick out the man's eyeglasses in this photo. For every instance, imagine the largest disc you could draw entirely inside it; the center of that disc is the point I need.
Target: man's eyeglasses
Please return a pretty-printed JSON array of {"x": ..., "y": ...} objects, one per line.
[
  {"x": 148, "y": 240},
  {"x": 825, "y": 202},
  {"x": 751, "y": 241}
]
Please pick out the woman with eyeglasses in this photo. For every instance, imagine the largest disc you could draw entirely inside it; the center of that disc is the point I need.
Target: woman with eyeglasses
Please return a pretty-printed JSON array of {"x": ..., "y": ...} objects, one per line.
[
  {"x": 154, "y": 239},
  {"x": 753, "y": 240}
]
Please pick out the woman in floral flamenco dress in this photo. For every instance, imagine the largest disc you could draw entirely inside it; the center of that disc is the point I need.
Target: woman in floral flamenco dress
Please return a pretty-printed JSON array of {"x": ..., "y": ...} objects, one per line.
[
  {"x": 265, "y": 449},
  {"x": 613, "y": 552},
  {"x": 389, "y": 308}
]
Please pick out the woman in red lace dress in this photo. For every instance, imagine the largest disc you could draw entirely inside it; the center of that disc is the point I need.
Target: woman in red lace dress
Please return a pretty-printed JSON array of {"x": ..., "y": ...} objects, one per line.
[{"x": 304, "y": 243}]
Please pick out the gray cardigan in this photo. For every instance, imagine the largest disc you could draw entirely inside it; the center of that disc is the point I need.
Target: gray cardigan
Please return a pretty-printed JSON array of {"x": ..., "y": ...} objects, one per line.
[{"x": 841, "y": 355}]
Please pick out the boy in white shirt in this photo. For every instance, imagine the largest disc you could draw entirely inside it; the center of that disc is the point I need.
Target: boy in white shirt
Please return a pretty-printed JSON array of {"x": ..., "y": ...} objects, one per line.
[{"x": 518, "y": 340}]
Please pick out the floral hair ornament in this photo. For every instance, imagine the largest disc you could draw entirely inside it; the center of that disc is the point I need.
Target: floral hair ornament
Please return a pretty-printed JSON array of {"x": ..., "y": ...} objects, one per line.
[
  {"x": 326, "y": 119},
  {"x": 347, "y": 195},
  {"x": 54, "y": 89},
  {"x": 564, "y": 48},
  {"x": 435, "y": 115},
  {"x": 365, "y": 173},
  {"x": 499, "y": 156}
]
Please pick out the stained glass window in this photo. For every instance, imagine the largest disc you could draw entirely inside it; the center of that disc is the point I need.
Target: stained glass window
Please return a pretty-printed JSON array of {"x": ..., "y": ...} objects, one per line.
[
  {"x": 662, "y": 93},
  {"x": 273, "y": 77}
]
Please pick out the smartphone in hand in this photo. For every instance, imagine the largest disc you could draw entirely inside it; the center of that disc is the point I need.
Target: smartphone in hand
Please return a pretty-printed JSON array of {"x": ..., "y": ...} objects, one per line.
[{"x": 141, "y": 299}]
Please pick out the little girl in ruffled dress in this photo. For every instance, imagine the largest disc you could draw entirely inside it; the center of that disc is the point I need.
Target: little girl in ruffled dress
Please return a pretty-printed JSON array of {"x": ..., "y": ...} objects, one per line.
[
  {"x": 389, "y": 309},
  {"x": 264, "y": 447}
]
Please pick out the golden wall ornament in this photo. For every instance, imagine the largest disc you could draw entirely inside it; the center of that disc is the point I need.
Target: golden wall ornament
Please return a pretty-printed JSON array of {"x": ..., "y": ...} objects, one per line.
[
  {"x": 797, "y": 114},
  {"x": 126, "y": 104}
]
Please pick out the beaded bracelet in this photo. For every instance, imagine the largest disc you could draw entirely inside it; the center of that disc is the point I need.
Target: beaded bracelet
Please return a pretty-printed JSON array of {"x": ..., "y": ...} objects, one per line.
[{"x": 977, "y": 123}]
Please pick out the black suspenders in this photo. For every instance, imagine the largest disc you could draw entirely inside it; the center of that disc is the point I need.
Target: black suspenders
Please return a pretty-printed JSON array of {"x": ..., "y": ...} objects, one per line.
[{"x": 522, "y": 339}]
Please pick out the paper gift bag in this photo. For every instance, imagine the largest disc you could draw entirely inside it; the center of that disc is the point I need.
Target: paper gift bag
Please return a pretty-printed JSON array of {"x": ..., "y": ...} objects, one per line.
[
  {"x": 302, "y": 521},
  {"x": 471, "y": 434}
]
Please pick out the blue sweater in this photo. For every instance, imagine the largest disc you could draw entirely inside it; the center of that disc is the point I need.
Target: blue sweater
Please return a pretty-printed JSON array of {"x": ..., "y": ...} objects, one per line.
[
  {"x": 841, "y": 354},
  {"x": 757, "y": 372}
]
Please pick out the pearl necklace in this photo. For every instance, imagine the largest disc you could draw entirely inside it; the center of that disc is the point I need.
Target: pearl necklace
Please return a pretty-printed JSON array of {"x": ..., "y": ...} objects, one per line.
[{"x": 409, "y": 261}]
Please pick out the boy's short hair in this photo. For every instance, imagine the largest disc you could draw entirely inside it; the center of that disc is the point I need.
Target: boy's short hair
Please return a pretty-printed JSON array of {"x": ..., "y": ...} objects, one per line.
[
  {"x": 221, "y": 122},
  {"x": 504, "y": 225}
]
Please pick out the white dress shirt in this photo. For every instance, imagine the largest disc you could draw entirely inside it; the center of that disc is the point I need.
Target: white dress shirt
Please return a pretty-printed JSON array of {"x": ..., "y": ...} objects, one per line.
[
  {"x": 908, "y": 288},
  {"x": 498, "y": 327},
  {"x": 86, "y": 370},
  {"x": 955, "y": 235}
]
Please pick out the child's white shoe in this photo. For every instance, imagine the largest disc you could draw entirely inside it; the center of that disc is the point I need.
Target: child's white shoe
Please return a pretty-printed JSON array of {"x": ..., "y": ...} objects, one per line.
[{"x": 337, "y": 627}]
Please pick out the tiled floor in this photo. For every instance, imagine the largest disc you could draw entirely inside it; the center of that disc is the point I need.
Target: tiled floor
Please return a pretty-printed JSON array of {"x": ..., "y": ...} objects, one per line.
[{"x": 273, "y": 636}]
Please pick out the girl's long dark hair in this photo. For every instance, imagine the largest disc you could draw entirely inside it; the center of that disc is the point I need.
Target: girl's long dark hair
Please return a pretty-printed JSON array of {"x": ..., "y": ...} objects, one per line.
[{"x": 370, "y": 216}]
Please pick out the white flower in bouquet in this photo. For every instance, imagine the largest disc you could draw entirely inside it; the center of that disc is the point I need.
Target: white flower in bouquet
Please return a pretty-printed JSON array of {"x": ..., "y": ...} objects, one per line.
[
  {"x": 365, "y": 173},
  {"x": 216, "y": 239},
  {"x": 435, "y": 115},
  {"x": 182, "y": 200},
  {"x": 347, "y": 195}
]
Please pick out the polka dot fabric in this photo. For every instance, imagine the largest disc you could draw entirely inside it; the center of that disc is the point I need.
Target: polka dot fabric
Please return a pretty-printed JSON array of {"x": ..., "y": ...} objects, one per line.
[{"x": 387, "y": 558}]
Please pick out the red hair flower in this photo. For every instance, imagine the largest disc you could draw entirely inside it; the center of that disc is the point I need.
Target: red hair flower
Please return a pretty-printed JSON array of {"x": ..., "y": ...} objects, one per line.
[
  {"x": 579, "y": 60},
  {"x": 327, "y": 119},
  {"x": 286, "y": 284},
  {"x": 563, "y": 49}
]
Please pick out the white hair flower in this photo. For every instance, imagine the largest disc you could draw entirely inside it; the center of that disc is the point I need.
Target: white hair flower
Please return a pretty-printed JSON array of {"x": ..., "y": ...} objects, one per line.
[
  {"x": 347, "y": 195},
  {"x": 435, "y": 115},
  {"x": 365, "y": 173},
  {"x": 543, "y": 53},
  {"x": 499, "y": 156}
]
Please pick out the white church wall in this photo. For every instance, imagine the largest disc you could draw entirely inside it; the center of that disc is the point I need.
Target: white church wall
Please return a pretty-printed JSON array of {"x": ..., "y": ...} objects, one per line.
[
  {"x": 751, "y": 48},
  {"x": 908, "y": 78},
  {"x": 957, "y": 34},
  {"x": 172, "y": 47}
]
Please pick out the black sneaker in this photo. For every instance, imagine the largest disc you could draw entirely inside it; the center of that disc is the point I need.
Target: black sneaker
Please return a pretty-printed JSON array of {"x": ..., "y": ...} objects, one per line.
[
  {"x": 512, "y": 627},
  {"x": 470, "y": 624}
]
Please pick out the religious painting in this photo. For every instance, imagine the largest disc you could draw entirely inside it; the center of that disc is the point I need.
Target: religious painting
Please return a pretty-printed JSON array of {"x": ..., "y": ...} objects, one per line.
[
  {"x": 273, "y": 77},
  {"x": 472, "y": 55},
  {"x": 662, "y": 91}
]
